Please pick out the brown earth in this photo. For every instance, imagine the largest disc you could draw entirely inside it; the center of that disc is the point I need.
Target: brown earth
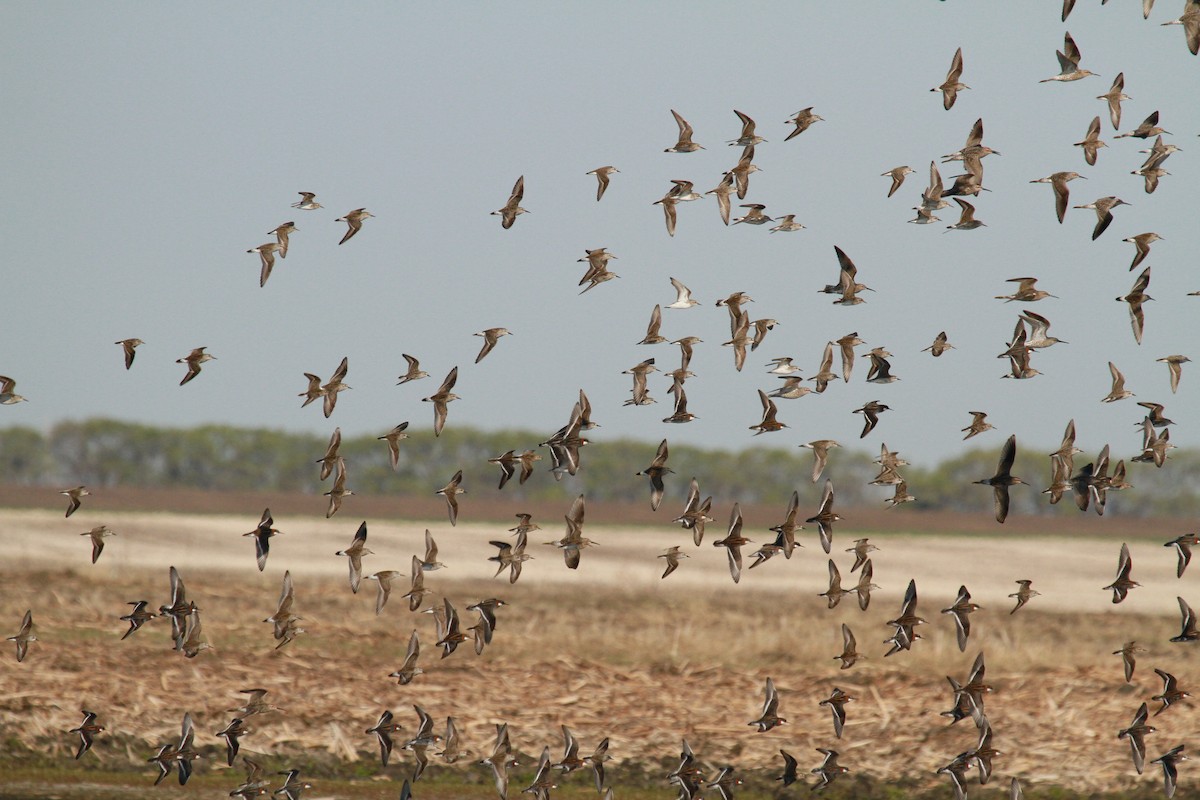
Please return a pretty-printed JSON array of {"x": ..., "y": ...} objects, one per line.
[{"x": 609, "y": 649}]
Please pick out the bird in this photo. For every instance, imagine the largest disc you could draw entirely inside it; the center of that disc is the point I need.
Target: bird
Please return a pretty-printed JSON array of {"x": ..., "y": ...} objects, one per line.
[
  {"x": 335, "y": 384},
  {"x": 803, "y": 120},
  {"x": 1113, "y": 97},
  {"x": 1128, "y": 653},
  {"x": 354, "y": 553},
  {"x": 293, "y": 787},
  {"x": 602, "y": 178},
  {"x": 441, "y": 399},
  {"x": 231, "y": 733},
  {"x": 1024, "y": 594},
  {"x": 1118, "y": 391},
  {"x": 1174, "y": 364},
  {"x": 1187, "y": 632},
  {"x": 787, "y": 224},
  {"x": 870, "y": 412},
  {"x": 1003, "y": 479},
  {"x": 383, "y": 730},
  {"x": 941, "y": 343},
  {"x": 1091, "y": 143},
  {"x": 490, "y": 337},
  {"x": 685, "y": 143},
  {"x": 897, "y": 174},
  {"x": 1142, "y": 242},
  {"x": 98, "y": 535},
  {"x": 193, "y": 360},
  {"x": 828, "y": 770},
  {"x": 307, "y": 202},
  {"x": 414, "y": 370},
  {"x": 672, "y": 556},
  {"x": 652, "y": 330},
  {"x": 1169, "y": 762},
  {"x": 339, "y": 490},
  {"x": 1068, "y": 63},
  {"x": 1123, "y": 583},
  {"x": 266, "y": 253},
  {"x": 655, "y": 472},
  {"x": 1058, "y": 182},
  {"x": 138, "y": 617},
  {"x": 849, "y": 654},
  {"x": 1183, "y": 549},
  {"x": 451, "y": 491},
  {"x": 1190, "y": 20},
  {"x": 87, "y": 730},
  {"x": 695, "y": 513},
  {"x": 820, "y": 449},
  {"x": 262, "y": 538},
  {"x": 833, "y": 595},
  {"x": 825, "y": 516},
  {"x": 952, "y": 85},
  {"x": 733, "y": 542},
  {"x": 1148, "y": 128},
  {"x": 790, "y": 769},
  {"x": 409, "y": 669},
  {"x": 770, "y": 714},
  {"x": 684, "y": 297},
  {"x": 1136, "y": 299},
  {"x": 354, "y": 223},
  {"x": 27, "y": 634},
  {"x": 75, "y": 496},
  {"x": 129, "y": 346},
  {"x": 960, "y": 611},
  {"x": 393, "y": 438},
  {"x": 837, "y": 706},
  {"x": 768, "y": 424},
  {"x": 966, "y": 218},
  {"x": 978, "y": 424},
  {"x": 1136, "y": 734}
]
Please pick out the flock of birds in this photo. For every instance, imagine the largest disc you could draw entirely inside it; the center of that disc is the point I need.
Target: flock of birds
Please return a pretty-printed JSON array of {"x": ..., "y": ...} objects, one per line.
[{"x": 1089, "y": 485}]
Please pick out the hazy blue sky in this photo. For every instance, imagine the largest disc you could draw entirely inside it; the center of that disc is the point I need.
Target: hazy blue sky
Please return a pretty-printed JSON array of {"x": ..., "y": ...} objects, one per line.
[{"x": 149, "y": 145}]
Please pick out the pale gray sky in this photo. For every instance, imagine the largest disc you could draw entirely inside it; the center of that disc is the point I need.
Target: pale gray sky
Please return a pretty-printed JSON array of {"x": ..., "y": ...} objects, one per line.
[{"x": 150, "y": 145}]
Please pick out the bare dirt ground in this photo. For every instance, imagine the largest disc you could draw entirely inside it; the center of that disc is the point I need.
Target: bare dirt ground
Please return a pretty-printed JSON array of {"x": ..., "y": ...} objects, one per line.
[{"x": 609, "y": 649}]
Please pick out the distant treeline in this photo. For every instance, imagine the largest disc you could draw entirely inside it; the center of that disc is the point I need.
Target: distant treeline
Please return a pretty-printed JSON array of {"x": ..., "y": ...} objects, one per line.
[{"x": 106, "y": 453}]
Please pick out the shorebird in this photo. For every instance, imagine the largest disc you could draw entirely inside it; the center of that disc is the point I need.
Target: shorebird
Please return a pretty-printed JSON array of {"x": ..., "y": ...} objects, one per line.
[
  {"x": 138, "y": 617},
  {"x": 1128, "y": 654},
  {"x": 960, "y": 611},
  {"x": 602, "y": 178},
  {"x": 330, "y": 460},
  {"x": 490, "y": 337},
  {"x": 870, "y": 412},
  {"x": 733, "y": 542},
  {"x": 441, "y": 399},
  {"x": 952, "y": 85},
  {"x": 978, "y": 424},
  {"x": 76, "y": 495},
  {"x": 393, "y": 438},
  {"x": 966, "y": 219},
  {"x": 129, "y": 346},
  {"x": 685, "y": 143},
  {"x": 1058, "y": 182},
  {"x": 754, "y": 216},
  {"x": 803, "y": 120},
  {"x": 266, "y": 253},
  {"x": 383, "y": 730},
  {"x": 451, "y": 491},
  {"x": 1068, "y": 63},
  {"x": 1135, "y": 299},
  {"x": 1151, "y": 176},
  {"x": 837, "y": 706},
  {"x": 1025, "y": 292},
  {"x": 1183, "y": 550},
  {"x": 1121, "y": 586},
  {"x": 1118, "y": 391},
  {"x": 330, "y": 389},
  {"x": 339, "y": 490},
  {"x": 897, "y": 174},
  {"x": 695, "y": 513},
  {"x": 1136, "y": 734},
  {"x": 193, "y": 360},
  {"x": 1174, "y": 364},
  {"x": 98, "y": 535},
  {"x": 354, "y": 223},
  {"x": 87, "y": 730},
  {"x": 1190, "y": 20},
  {"x": 1091, "y": 143},
  {"x": 683, "y": 297},
  {"x": 833, "y": 595},
  {"x": 849, "y": 654},
  {"x": 1113, "y": 97},
  {"x": 1171, "y": 693},
  {"x": 314, "y": 390},
  {"x": 941, "y": 344},
  {"x": 672, "y": 555},
  {"x": 512, "y": 209},
  {"x": 787, "y": 224},
  {"x": 307, "y": 202},
  {"x": 742, "y": 170},
  {"x": 1187, "y": 630},
  {"x": 281, "y": 234},
  {"x": 1103, "y": 207},
  {"x": 1148, "y": 128},
  {"x": 1003, "y": 479},
  {"x": 231, "y": 733},
  {"x": 1154, "y": 413},
  {"x": 828, "y": 770},
  {"x": 1158, "y": 153},
  {"x": 723, "y": 190},
  {"x": 409, "y": 669},
  {"x": 770, "y": 714},
  {"x": 293, "y": 787},
  {"x": 262, "y": 538},
  {"x": 1039, "y": 328},
  {"x": 414, "y": 370},
  {"x": 768, "y": 424},
  {"x": 820, "y": 448},
  {"x": 1024, "y": 594},
  {"x": 655, "y": 472},
  {"x": 747, "y": 137},
  {"x": 825, "y": 517},
  {"x": 354, "y": 553}
]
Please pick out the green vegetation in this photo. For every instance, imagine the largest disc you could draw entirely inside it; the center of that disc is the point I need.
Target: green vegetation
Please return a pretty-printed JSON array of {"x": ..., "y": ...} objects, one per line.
[{"x": 106, "y": 453}]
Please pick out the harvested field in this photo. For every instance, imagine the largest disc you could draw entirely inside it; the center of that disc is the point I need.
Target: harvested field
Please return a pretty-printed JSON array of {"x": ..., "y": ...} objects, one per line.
[{"x": 608, "y": 650}]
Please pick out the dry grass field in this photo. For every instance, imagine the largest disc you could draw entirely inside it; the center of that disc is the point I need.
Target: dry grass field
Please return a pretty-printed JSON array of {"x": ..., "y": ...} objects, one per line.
[{"x": 608, "y": 650}]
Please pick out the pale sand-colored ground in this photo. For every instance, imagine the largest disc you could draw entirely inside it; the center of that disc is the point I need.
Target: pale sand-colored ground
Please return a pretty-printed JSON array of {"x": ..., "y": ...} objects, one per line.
[{"x": 609, "y": 649}]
